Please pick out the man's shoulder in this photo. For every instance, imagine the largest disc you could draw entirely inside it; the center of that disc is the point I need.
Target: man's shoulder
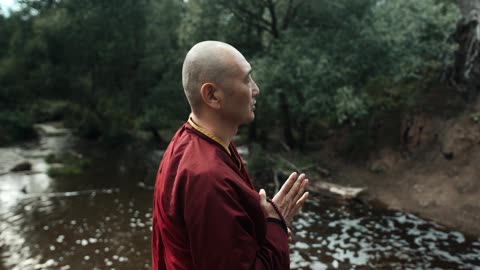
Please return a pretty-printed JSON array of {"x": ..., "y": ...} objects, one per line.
[{"x": 194, "y": 155}]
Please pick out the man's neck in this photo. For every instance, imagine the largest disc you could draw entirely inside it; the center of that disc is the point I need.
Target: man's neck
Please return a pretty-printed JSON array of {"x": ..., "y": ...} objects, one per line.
[{"x": 223, "y": 131}]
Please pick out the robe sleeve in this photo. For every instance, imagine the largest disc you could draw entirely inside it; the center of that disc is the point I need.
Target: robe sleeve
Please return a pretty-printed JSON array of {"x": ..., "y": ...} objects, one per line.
[{"x": 222, "y": 233}]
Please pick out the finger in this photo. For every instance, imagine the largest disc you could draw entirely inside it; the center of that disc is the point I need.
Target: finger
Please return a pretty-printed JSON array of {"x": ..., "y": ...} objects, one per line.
[
  {"x": 292, "y": 194},
  {"x": 301, "y": 190},
  {"x": 288, "y": 184},
  {"x": 302, "y": 200}
]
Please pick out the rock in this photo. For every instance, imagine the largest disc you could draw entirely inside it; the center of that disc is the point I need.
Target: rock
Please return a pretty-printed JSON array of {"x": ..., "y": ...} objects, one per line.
[
  {"x": 377, "y": 166},
  {"x": 52, "y": 129},
  {"x": 459, "y": 138},
  {"x": 386, "y": 159},
  {"x": 21, "y": 167}
]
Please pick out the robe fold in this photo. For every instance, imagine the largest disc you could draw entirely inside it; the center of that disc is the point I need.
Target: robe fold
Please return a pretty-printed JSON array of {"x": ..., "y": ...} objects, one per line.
[{"x": 206, "y": 213}]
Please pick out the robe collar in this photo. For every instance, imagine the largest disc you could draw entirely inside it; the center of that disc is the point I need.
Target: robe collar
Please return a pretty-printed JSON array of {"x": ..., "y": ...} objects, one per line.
[
  {"x": 230, "y": 150},
  {"x": 211, "y": 136}
]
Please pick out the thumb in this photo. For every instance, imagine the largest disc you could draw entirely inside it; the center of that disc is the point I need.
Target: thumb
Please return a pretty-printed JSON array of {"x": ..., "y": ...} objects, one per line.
[
  {"x": 263, "y": 195},
  {"x": 263, "y": 201}
]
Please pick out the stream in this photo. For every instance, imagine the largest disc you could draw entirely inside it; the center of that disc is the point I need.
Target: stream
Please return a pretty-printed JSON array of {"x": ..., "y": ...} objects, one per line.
[{"x": 101, "y": 218}]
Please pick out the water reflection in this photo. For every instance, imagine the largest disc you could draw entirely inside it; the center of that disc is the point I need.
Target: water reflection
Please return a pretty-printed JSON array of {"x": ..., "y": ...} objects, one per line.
[
  {"x": 111, "y": 230},
  {"x": 100, "y": 231},
  {"x": 14, "y": 185}
]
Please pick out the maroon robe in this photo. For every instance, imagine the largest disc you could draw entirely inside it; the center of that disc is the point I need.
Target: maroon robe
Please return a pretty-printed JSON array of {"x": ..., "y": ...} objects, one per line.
[{"x": 206, "y": 213}]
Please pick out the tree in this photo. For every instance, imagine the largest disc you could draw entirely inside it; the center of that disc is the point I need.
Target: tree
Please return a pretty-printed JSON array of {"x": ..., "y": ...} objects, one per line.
[
  {"x": 164, "y": 106},
  {"x": 466, "y": 71},
  {"x": 324, "y": 67}
]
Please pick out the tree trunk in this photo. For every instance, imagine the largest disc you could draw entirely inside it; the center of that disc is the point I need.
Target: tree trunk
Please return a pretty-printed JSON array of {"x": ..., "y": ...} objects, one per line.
[
  {"x": 465, "y": 75},
  {"x": 302, "y": 128},
  {"x": 287, "y": 126}
]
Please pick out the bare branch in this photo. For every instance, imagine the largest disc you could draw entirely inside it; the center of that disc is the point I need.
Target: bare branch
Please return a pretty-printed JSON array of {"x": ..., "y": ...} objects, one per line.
[
  {"x": 291, "y": 13},
  {"x": 273, "y": 15},
  {"x": 252, "y": 18}
]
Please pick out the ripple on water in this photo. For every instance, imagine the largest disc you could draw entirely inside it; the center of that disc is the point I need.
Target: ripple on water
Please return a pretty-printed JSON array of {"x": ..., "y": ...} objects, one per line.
[
  {"x": 344, "y": 236},
  {"x": 88, "y": 235},
  {"x": 112, "y": 230}
]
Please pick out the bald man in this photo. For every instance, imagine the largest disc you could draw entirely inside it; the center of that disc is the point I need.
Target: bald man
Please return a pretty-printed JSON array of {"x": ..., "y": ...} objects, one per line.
[{"x": 206, "y": 212}]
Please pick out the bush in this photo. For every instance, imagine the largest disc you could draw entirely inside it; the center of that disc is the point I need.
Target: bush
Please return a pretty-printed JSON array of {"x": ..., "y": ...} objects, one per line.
[
  {"x": 49, "y": 110},
  {"x": 15, "y": 127},
  {"x": 84, "y": 123}
]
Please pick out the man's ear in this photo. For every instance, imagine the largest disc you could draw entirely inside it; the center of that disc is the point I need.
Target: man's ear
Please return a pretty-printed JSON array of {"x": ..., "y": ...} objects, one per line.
[{"x": 211, "y": 95}]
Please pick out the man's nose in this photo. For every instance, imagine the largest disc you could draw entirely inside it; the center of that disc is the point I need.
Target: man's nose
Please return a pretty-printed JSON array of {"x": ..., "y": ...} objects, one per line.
[{"x": 255, "y": 90}]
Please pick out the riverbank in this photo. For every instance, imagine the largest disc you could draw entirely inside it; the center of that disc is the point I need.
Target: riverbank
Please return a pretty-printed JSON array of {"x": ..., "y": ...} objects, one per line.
[
  {"x": 434, "y": 174},
  {"x": 445, "y": 192}
]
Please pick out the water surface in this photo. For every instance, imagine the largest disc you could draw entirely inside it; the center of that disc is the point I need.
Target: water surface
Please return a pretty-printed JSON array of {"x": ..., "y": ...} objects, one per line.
[{"x": 101, "y": 220}]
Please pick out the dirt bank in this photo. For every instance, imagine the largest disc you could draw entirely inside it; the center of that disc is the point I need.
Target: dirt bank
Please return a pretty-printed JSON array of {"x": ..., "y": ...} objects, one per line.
[
  {"x": 447, "y": 192},
  {"x": 435, "y": 175}
]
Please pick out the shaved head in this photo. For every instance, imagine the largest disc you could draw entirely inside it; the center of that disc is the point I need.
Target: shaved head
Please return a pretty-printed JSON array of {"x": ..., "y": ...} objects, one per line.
[{"x": 207, "y": 62}]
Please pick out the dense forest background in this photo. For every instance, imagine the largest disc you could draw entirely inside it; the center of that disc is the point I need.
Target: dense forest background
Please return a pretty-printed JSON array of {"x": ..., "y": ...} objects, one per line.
[{"x": 111, "y": 69}]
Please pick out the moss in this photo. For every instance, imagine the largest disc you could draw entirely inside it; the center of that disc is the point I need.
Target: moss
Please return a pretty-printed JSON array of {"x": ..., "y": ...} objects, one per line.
[
  {"x": 64, "y": 171},
  {"x": 70, "y": 164},
  {"x": 51, "y": 158}
]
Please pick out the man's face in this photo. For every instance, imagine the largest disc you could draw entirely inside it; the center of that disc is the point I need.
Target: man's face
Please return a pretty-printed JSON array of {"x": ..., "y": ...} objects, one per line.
[{"x": 240, "y": 92}]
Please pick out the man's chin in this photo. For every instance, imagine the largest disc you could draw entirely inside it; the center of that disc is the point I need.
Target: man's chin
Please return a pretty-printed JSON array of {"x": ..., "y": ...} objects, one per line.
[
  {"x": 249, "y": 120},
  {"x": 252, "y": 116}
]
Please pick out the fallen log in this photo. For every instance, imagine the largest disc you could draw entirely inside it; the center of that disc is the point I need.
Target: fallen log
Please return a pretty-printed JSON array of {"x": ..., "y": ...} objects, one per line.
[{"x": 342, "y": 191}]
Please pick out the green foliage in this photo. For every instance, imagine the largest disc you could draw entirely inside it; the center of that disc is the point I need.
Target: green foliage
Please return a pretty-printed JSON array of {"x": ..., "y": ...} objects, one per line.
[
  {"x": 357, "y": 60},
  {"x": 66, "y": 164},
  {"x": 15, "y": 126},
  {"x": 259, "y": 164},
  {"x": 348, "y": 105},
  {"x": 84, "y": 123},
  {"x": 49, "y": 110},
  {"x": 105, "y": 58},
  {"x": 110, "y": 68},
  {"x": 413, "y": 36}
]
